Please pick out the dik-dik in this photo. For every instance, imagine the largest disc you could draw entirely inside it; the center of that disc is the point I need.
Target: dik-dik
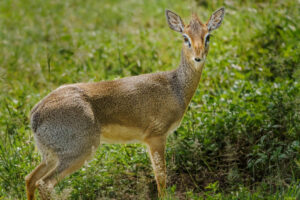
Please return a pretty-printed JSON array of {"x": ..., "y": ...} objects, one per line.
[{"x": 71, "y": 122}]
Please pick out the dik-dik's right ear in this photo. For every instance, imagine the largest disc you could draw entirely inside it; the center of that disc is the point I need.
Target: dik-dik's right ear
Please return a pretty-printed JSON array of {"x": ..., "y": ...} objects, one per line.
[
  {"x": 216, "y": 19},
  {"x": 174, "y": 21}
]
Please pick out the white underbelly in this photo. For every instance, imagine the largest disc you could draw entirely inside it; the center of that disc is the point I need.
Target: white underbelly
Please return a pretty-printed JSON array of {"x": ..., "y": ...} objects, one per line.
[
  {"x": 173, "y": 127},
  {"x": 117, "y": 134}
]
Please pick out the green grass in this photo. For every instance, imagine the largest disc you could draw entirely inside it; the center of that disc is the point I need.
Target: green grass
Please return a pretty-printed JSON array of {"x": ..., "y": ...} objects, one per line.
[{"x": 240, "y": 136}]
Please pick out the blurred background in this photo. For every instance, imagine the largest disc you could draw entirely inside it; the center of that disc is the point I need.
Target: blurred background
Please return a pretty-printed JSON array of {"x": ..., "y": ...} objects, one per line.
[{"x": 240, "y": 138}]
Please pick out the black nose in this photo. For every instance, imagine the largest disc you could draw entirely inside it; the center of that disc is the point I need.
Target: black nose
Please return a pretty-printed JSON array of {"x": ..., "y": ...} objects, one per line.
[{"x": 197, "y": 59}]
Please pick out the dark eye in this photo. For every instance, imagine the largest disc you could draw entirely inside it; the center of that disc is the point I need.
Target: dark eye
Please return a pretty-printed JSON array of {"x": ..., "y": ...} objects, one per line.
[
  {"x": 207, "y": 40},
  {"x": 187, "y": 41}
]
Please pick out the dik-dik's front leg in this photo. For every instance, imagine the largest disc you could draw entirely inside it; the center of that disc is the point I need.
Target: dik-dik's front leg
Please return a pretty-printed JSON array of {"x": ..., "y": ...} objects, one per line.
[{"x": 156, "y": 148}]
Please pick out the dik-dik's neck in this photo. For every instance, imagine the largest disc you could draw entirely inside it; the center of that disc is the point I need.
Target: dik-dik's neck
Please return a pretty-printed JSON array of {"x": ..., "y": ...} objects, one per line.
[{"x": 188, "y": 76}]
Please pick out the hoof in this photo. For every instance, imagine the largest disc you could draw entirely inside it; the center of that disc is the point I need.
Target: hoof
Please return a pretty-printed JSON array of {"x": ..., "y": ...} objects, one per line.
[{"x": 44, "y": 190}]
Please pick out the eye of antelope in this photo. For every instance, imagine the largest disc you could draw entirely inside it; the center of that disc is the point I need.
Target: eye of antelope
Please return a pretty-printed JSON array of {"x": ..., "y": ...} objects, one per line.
[
  {"x": 207, "y": 37},
  {"x": 187, "y": 40}
]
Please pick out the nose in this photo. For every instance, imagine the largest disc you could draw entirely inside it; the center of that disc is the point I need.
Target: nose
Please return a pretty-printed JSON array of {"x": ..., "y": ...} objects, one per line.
[{"x": 197, "y": 59}]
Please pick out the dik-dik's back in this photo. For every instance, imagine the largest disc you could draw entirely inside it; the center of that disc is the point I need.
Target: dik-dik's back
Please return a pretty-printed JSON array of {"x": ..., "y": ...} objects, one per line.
[{"x": 70, "y": 122}]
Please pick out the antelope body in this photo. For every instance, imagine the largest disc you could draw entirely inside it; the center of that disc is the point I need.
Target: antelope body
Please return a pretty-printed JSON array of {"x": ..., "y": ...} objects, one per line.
[{"x": 71, "y": 122}]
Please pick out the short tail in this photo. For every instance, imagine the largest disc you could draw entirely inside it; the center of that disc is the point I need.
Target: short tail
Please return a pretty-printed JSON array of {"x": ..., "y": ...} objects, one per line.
[{"x": 35, "y": 117}]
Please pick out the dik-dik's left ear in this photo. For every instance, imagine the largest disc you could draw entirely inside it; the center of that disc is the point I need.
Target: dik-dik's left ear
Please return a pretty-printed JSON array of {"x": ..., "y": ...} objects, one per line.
[
  {"x": 216, "y": 19},
  {"x": 174, "y": 21}
]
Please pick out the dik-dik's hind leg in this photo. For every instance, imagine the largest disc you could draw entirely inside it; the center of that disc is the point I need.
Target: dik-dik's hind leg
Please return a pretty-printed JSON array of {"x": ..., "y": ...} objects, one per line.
[
  {"x": 156, "y": 147},
  {"x": 66, "y": 166},
  {"x": 35, "y": 175}
]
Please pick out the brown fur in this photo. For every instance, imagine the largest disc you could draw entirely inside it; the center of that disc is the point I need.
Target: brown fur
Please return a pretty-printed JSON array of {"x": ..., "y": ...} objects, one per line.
[{"x": 71, "y": 121}]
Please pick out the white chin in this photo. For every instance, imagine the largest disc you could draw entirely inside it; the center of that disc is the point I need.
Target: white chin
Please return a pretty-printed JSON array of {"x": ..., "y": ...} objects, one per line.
[{"x": 198, "y": 65}]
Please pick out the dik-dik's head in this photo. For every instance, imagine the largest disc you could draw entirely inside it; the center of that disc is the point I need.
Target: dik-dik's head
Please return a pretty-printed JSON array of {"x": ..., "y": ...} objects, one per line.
[{"x": 196, "y": 34}]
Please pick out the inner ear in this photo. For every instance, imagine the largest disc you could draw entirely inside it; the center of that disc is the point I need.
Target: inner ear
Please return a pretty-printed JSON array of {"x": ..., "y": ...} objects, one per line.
[
  {"x": 174, "y": 21},
  {"x": 216, "y": 19}
]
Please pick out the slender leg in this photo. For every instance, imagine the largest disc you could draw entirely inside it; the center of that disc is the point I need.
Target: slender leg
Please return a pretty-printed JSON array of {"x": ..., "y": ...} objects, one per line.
[
  {"x": 35, "y": 175},
  {"x": 65, "y": 167},
  {"x": 156, "y": 147}
]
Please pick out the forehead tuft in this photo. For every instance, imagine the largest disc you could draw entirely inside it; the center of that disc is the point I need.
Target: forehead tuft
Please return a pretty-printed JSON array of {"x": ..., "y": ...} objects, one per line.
[{"x": 195, "y": 24}]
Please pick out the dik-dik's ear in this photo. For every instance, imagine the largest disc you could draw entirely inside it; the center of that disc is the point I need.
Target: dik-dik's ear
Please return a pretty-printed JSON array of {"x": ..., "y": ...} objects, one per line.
[
  {"x": 216, "y": 19},
  {"x": 174, "y": 21}
]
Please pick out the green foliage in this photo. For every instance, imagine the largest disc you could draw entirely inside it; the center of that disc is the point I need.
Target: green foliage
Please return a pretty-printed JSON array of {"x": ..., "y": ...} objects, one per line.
[
  {"x": 252, "y": 132},
  {"x": 240, "y": 136}
]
